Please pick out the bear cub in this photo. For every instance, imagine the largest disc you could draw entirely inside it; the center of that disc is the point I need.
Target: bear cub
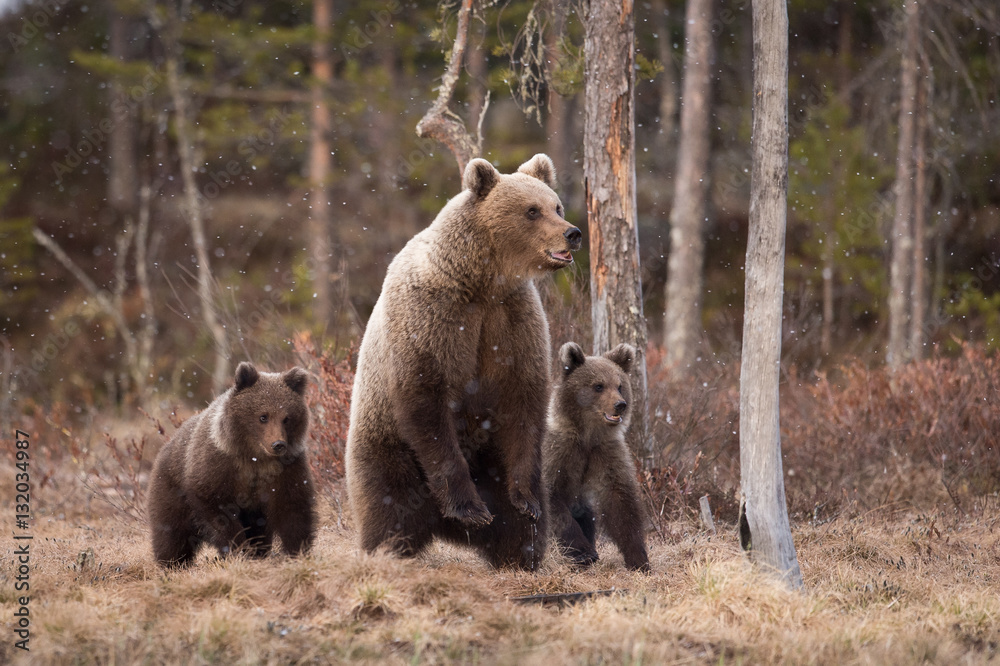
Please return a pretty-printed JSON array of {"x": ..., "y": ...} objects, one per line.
[
  {"x": 235, "y": 475},
  {"x": 588, "y": 470}
]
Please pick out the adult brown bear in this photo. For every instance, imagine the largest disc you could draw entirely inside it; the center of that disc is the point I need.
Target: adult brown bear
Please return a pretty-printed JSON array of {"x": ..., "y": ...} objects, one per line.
[{"x": 452, "y": 384}]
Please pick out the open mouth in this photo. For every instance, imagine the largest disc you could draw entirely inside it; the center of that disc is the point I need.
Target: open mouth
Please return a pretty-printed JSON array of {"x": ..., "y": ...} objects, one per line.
[
  {"x": 561, "y": 256},
  {"x": 613, "y": 419}
]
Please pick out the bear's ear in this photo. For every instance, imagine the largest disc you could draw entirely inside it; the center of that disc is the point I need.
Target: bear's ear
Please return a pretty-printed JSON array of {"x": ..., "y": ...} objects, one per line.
[
  {"x": 296, "y": 379},
  {"x": 541, "y": 167},
  {"x": 571, "y": 357},
  {"x": 480, "y": 177},
  {"x": 623, "y": 356},
  {"x": 246, "y": 376}
]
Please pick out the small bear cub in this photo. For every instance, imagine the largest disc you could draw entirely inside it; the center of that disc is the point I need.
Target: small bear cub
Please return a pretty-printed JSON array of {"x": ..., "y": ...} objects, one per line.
[
  {"x": 235, "y": 475},
  {"x": 587, "y": 467}
]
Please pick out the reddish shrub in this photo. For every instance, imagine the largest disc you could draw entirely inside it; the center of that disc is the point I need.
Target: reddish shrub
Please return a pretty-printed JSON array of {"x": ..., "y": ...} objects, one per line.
[{"x": 329, "y": 407}]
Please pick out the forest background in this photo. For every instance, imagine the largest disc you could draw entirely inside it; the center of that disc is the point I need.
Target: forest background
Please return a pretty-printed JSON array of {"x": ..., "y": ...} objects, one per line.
[{"x": 193, "y": 184}]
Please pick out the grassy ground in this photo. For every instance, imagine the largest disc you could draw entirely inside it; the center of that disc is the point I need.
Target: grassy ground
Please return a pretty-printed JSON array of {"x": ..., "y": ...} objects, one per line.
[{"x": 890, "y": 587}]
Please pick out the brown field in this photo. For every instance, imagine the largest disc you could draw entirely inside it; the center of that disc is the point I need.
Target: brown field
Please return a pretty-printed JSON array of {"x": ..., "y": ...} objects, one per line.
[
  {"x": 893, "y": 486},
  {"x": 887, "y": 587}
]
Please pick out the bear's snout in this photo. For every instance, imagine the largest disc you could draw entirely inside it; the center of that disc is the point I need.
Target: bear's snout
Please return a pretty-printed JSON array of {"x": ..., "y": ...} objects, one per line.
[
  {"x": 620, "y": 407},
  {"x": 278, "y": 447},
  {"x": 575, "y": 238}
]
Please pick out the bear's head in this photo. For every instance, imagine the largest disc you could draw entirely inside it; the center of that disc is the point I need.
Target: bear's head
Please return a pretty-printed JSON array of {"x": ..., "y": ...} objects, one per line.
[
  {"x": 265, "y": 415},
  {"x": 595, "y": 391},
  {"x": 523, "y": 216}
]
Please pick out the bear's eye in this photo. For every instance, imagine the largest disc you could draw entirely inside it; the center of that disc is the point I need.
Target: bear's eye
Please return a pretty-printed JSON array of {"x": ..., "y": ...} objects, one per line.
[
  {"x": 559, "y": 211},
  {"x": 285, "y": 420},
  {"x": 598, "y": 388},
  {"x": 263, "y": 418},
  {"x": 533, "y": 213}
]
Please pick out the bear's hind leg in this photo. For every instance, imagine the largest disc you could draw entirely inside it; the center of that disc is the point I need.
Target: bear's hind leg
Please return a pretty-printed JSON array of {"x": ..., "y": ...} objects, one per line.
[{"x": 395, "y": 509}]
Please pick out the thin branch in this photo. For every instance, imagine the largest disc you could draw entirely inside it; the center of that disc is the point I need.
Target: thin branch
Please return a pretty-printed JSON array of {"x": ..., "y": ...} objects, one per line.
[{"x": 439, "y": 122}]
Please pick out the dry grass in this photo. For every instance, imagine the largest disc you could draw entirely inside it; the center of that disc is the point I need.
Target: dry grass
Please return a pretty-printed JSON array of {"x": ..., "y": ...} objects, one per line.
[{"x": 889, "y": 587}]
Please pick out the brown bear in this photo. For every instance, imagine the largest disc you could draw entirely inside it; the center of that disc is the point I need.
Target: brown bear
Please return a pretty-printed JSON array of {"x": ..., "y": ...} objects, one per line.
[
  {"x": 452, "y": 384},
  {"x": 235, "y": 475},
  {"x": 588, "y": 469}
]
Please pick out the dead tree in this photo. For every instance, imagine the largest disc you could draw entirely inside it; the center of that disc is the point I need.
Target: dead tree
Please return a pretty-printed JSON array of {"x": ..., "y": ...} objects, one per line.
[
  {"x": 685, "y": 266},
  {"x": 900, "y": 268},
  {"x": 442, "y": 124},
  {"x": 764, "y": 526}
]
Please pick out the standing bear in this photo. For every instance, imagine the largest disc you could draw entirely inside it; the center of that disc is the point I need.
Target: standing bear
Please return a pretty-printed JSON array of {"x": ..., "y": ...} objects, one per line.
[
  {"x": 449, "y": 402},
  {"x": 588, "y": 468},
  {"x": 235, "y": 475}
]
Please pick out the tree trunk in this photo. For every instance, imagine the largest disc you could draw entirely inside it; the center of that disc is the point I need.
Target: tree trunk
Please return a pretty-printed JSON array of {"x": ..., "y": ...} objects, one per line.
[
  {"x": 609, "y": 181},
  {"x": 668, "y": 87},
  {"x": 902, "y": 234},
  {"x": 320, "y": 219},
  {"x": 188, "y": 166},
  {"x": 764, "y": 527},
  {"x": 918, "y": 296},
  {"x": 682, "y": 319},
  {"x": 122, "y": 158}
]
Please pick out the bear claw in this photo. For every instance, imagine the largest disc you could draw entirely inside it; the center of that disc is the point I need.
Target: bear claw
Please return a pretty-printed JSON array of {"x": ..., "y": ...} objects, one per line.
[
  {"x": 526, "y": 505},
  {"x": 473, "y": 514}
]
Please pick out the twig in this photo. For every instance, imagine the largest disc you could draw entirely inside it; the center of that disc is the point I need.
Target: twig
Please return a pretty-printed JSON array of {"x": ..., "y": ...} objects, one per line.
[{"x": 439, "y": 122}]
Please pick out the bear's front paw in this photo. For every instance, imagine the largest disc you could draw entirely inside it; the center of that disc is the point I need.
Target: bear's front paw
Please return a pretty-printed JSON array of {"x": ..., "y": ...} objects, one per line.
[
  {"x": 525, "y": 503},
  {"x": 581, "y": 558},
  {"x": 471, "y": 512}
]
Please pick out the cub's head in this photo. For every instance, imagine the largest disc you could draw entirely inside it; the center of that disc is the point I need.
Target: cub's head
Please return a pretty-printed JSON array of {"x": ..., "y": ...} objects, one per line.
[
  {"x": 265, "y": 416},
  {"x": 523, "y": 215},
  {"x": 595, "y": 391}
]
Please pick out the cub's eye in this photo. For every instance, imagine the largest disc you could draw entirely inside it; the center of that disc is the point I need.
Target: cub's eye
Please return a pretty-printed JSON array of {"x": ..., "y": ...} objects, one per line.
[
  {"x": 619, "y": 389},
  {"x": 286, "y": 420},
  {"x": 263, "y": 418},
  {"x": 533, "y": 213},
  {"x": 598, "y": 388},
  {"x": 559, "y": 211}
]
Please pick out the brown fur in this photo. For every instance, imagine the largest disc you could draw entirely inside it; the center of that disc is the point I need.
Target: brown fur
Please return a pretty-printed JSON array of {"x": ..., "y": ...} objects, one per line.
[
  {"x": 452, "y": 384},
  {"x": 588, "y": 469},
  {"x": 232, "y": 480}
]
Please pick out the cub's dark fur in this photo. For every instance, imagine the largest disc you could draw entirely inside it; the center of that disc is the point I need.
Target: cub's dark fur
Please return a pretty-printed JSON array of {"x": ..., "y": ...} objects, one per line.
[
  {"x": 588, "y": 469},
  {"x": 235, "y": 475}
]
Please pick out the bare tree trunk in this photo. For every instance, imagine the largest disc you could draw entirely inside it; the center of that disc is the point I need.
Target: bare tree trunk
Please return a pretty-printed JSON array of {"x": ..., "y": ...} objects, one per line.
[
  {"x": 764, "y": 526},
  {"x": 185, "y": 146},
  {"x": 918, "y": 296},
  {"x": 147, "y": 331},
  {"x": 440, "y": 123},
  {"x": 320, "y": 218},
  {"x": 609, "y": 179},
  {"x": 668, "y": 87},
  {"x": 902, "y": 234},
  {"x": 682, "y": 319},
  {"x": 122, "y": 157}
]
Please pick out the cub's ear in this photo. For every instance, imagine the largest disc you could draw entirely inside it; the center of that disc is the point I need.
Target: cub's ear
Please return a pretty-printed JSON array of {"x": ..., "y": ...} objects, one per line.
[
  {"x": 246, "y": 376},
  {"x": 296, "y": 379},
  {"x": 541, "y": 167},
  {"x": 623, "y": 356},
  {"x": 571, "y": 357},
  {"x": 480, "y": 177}
]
